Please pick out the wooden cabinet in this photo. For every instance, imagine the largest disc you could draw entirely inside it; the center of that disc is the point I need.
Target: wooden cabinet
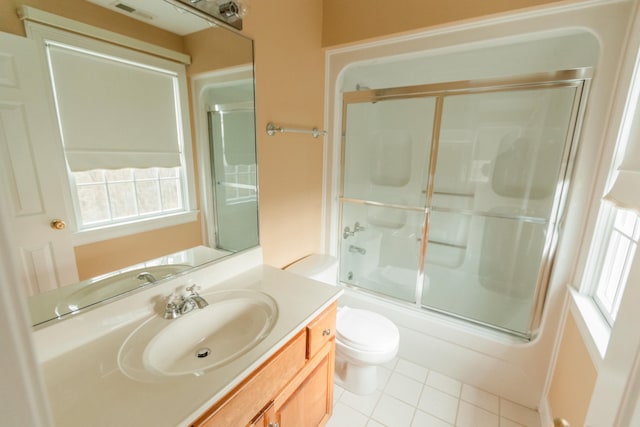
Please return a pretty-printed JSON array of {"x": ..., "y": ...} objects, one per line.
[
  {"x": 309, "y": 404},
  {"x": 294, "y": 388}
]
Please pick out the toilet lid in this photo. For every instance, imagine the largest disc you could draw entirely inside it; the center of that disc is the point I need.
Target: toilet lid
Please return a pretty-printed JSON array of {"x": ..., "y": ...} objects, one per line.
[{"x": 365, "y": 330}]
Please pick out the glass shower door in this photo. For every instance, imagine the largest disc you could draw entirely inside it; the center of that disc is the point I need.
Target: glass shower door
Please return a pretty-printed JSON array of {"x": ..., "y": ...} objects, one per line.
[
  {"x": 386, "y": 152},
  {"x": 233, "y": 165},
  {"x": 501, "y": 162}
]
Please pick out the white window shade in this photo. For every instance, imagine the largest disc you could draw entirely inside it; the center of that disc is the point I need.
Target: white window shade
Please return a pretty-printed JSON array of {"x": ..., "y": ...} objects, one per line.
[
  {"x": 625, "y": 191},
  {"x": 114, "y": 114}
]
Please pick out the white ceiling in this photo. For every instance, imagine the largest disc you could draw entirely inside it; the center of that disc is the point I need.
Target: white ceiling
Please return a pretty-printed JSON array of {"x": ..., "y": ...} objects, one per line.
[{"x": 158, "y": 13}]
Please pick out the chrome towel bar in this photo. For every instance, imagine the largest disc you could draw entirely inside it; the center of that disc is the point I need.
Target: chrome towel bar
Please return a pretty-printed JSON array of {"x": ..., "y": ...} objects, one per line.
[{"x": 272, "y": 129}]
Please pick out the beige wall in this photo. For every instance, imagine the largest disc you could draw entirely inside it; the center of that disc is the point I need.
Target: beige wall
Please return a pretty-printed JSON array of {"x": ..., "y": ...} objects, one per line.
[
  {"x": 574, "y": 377},
  {"x": 355, "y": 20},
  {"x": 100, "y": 258},
  {"x": 216, "y": 48},
  {"x": 289, "y": 92}
]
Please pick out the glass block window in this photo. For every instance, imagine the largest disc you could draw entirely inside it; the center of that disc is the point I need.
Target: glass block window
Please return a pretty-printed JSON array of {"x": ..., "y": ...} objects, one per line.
[{"x": 106, "y": 197}]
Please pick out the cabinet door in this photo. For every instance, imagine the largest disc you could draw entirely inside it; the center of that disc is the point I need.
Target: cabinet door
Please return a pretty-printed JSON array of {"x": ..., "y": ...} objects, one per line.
[
  {"x": 311, "y": 404},
  {"x": 243, "y": 405}
]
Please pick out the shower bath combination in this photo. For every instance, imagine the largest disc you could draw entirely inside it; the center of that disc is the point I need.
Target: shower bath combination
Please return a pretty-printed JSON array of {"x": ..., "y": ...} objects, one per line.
[{"x": 451, "y": 193}]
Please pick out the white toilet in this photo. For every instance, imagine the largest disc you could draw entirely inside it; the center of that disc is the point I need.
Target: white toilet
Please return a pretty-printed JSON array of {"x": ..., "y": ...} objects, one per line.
[{"x": 364, "y": 339}]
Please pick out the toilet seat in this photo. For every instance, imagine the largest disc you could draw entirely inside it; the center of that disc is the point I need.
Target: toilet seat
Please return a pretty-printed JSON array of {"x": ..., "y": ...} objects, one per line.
[{"x": 366, "y": 331}]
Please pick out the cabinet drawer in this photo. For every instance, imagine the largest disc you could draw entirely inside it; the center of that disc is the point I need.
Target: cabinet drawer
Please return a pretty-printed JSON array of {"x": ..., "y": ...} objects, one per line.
[{"x": 321, "y": 330}]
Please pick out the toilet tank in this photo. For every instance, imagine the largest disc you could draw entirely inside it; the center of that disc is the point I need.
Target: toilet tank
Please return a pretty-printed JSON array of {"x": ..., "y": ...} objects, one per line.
[{"x": 323, "y": 268}]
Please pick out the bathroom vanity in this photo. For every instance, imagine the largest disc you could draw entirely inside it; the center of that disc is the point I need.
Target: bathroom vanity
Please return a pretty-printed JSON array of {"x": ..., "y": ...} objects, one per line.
[
  {"x": 284, "y": 378},
  {"x": 293, "y": 388}
]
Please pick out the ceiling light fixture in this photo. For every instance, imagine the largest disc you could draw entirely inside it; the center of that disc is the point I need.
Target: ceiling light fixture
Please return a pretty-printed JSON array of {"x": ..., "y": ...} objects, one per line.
[{"x": 227, "y": 12}]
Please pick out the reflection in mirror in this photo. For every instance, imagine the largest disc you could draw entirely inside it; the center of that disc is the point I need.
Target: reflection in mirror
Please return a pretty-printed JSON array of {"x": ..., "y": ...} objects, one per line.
[
  {"x": 97, "y": 290},
  {"x": 230, "y": 12},
  {"x": 234, "y": 169},
  {"x": 106, "y": 261},
  {"x": 233, "y": 162}
]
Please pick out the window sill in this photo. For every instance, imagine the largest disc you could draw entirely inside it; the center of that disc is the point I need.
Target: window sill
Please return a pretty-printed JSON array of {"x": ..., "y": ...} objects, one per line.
[
  {"x": 593, "y": 327},
  {"x": 114, "y": 231}
]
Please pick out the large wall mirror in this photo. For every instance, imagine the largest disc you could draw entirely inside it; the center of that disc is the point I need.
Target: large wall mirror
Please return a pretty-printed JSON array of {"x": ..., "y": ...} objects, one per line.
[{"x": 132, "y": 155}]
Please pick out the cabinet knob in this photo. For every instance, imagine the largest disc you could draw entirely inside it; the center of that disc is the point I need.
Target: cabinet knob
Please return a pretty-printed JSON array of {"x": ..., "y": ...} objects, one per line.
[
  {"x": 326, "y": 332},
  {"x": 58, "y": 224},
  {"x": 274, "y": 425}
]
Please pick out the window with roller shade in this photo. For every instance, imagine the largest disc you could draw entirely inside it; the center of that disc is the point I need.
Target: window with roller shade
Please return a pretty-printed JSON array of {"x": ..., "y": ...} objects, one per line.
[{"x": 121, "y": 125}]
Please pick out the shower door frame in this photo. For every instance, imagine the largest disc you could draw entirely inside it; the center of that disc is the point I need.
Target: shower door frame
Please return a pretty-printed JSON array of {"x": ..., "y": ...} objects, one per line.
[
  {"x": 579, "y": 78},
  {"x": 213, "y": 113}
]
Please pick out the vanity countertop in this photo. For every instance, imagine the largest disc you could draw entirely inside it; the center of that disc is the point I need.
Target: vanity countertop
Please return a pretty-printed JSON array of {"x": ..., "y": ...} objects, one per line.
[{"x": 86, "y": 387}]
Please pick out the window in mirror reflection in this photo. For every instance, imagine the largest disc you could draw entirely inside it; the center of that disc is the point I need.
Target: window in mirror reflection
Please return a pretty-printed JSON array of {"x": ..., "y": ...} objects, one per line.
[
  {"x": 233, "y": 141},
  {"x": 104, "y": 197},
  {"x": 121, "y": 121},
  {"x": 240, "y": 183}
]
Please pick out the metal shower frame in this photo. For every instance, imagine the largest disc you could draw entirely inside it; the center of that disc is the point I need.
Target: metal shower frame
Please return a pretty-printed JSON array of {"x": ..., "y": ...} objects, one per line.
[{"x": 579, "y": 78}]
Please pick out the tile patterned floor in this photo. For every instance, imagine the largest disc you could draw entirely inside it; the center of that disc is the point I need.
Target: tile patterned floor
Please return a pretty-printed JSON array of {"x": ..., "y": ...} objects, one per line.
[{"x": 409, "y": 395}]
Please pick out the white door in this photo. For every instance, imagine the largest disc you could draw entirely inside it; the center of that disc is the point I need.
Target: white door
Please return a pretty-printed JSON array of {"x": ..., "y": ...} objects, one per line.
[{"x": 30, "y": 159}]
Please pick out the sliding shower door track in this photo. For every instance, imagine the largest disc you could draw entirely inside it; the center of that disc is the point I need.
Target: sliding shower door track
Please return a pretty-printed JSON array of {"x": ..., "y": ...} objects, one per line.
[
  {"x": 418, "y": 307},
  {"x": 564, "y": 78},
  {"x": 523, "y": 336}
]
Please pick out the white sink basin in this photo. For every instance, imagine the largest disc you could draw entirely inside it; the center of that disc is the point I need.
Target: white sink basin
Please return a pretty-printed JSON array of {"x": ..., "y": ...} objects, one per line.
[{"x": 232, "y": 324}]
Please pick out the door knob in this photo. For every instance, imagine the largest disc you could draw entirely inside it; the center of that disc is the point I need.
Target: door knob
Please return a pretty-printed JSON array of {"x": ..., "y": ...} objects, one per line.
[{"x": 58, "y": 224}]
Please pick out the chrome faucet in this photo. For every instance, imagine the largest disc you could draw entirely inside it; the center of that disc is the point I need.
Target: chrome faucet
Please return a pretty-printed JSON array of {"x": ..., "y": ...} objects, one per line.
[
  {"x": 179, "y": 305},
  {"x": 145, "y": 275},
  {"x": 195, "y": 297},
  {"x": 348, "y": 232}
]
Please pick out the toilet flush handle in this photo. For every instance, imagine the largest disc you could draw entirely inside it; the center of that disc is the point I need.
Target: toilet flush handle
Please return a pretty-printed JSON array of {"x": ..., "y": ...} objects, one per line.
[{"x": 326, "y": 332}]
